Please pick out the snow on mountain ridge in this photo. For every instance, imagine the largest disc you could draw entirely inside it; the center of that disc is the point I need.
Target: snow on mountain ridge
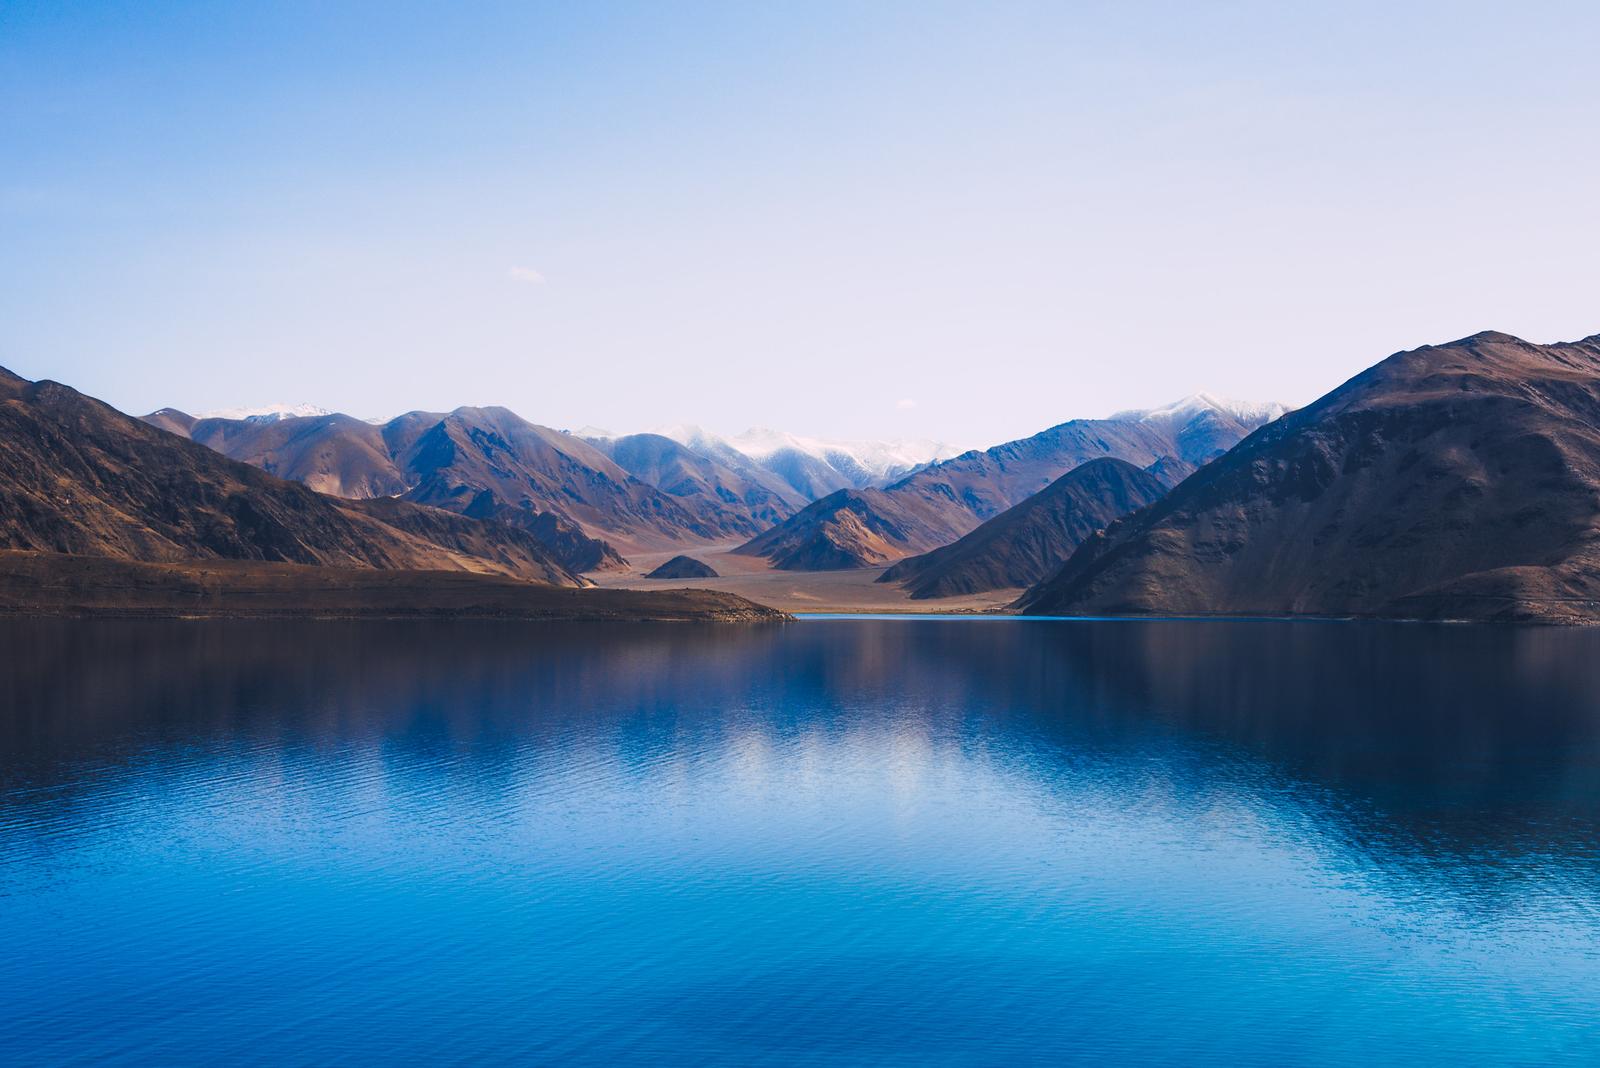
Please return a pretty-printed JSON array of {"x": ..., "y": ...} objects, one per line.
[
  {"x": 878, "y": 458},
  {"x": 811, "y": 466},
  {"x": 1247, "y": 413},
  {"x": 266, "y": 413}
]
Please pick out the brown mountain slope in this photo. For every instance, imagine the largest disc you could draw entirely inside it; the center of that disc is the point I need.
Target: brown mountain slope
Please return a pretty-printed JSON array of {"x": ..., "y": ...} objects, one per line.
[
  {"x": 487, "y": 463},
  {"x": 944, "y": 501},
  {"x": 172, "y": 421},
  {"x": 1026, "y": 542},
  {"x": 743, "y": 503},
  {"x": 1182, "y": 436},
  {"x": 347, "y": 457},
  {"x": 462, "y": 462},
  {"x": 77, "y": 476},
  {"x": 1459, "y": 480},
  {"x": 854, "y": 528},
  {"x": 332, "y": 454},
  {"x": 986, "y": 483},
  {"x": 527, "y": 467}
]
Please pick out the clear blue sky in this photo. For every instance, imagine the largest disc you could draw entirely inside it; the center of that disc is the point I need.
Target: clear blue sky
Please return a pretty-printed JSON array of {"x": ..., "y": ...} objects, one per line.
[{"x": 964, "y": 221}]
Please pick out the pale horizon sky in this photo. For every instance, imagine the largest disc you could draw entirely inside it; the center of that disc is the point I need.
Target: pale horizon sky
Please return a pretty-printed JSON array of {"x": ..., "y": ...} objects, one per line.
[{"x": 955, "y": 221}]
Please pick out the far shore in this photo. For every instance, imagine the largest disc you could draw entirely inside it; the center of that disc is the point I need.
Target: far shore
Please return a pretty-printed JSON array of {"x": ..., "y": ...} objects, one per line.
[
  {"x": 59, "y": 584},
  {"x": 850, "y": 592}
]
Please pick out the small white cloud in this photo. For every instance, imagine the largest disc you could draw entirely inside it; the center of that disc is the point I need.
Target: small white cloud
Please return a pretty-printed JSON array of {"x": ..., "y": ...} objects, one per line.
[
  {"x": 526, "y": 274},
  {"x": 905, "y": 404}
]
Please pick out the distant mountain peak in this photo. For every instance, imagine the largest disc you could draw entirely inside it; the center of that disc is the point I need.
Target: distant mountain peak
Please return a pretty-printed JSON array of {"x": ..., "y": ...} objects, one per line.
[
  {"x": 1496, "y": 337},
  {"x": 1248, "y": 413},
  {"x": 763, "y": 441},
  {"x": 266, "y": 413},
  {"x": 683, "y": 433},
  {"x": 812, "y": 467}
]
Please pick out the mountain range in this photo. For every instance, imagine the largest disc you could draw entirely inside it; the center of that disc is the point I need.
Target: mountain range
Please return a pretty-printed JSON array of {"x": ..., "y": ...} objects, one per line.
[
  {"x": 809, "y": 467},
  {"x": 943, "y": 501},
  {"x": 1453, "y": 481},
  {"x": 268, "y": 413},
  {"x": 752, "y": 497},
  {"x": 593, "y": 495},
  {"x": 101, "y": 513},
  {"x": 80, "y": 477},
  {"x": 482, "y": 462},
  {"x": 589, "y": 498},
  {"x": 1028, "y": 541}
]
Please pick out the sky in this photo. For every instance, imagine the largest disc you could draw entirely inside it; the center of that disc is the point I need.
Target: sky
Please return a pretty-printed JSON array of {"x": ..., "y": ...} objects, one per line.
[{"x": 958, "y": 221}]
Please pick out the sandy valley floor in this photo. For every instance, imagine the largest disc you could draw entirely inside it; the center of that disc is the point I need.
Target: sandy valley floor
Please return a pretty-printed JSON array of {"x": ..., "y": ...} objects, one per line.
[{"x": 795, "y": 591}]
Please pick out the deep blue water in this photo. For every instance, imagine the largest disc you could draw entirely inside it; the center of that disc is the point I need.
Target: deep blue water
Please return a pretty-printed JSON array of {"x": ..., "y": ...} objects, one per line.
[{"x": 887, "y": 842}]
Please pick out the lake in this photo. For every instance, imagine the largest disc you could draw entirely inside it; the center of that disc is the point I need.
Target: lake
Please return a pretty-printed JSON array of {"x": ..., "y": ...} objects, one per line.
[{"x": 833, "y": 841}]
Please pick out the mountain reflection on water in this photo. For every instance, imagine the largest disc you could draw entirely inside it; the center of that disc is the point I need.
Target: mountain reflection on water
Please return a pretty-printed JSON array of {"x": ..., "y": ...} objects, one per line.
[{"x": 880, "y": 840}]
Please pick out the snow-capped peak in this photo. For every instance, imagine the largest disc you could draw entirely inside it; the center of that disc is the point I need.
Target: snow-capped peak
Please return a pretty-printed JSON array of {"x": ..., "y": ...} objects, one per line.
[
  {"x": 850, "y": 463},
  {"x": 689, "y": 435},
  {"x": 267, "y": 413},
  {"x": 1247, "y": 413},
  {"x": 877, "y": 457}
]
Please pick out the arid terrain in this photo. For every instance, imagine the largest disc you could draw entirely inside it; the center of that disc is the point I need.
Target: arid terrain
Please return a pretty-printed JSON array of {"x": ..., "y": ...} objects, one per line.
[
  {"x": 849, "y": 590},
  {"x": 1457, "y": 481},
  {"x": 103, "y": 514}
]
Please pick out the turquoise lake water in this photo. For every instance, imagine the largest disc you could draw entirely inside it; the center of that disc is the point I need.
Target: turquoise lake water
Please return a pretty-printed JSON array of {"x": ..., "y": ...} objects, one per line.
[{"x": 829, "y": 842}]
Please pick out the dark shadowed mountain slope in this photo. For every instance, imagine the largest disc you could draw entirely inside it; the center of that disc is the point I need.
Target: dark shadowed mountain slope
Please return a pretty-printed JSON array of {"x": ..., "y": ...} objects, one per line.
[
  {"x": 1028, "y": 541},
  {"x": 1170, "y": 470},
  {"x": 683, "y": 567},
  {"x": 944, "y": 501},
  {"x": 1458, "y": 480},
  {"x": 490, "y": 461},
  {"x": 77, "y": 476},
  {"x": 742, "y": 502},
  {"x": 1193, "y": 431},
  {"x": 577, "y": 552},
  {"x": 497, "y": 543}
]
